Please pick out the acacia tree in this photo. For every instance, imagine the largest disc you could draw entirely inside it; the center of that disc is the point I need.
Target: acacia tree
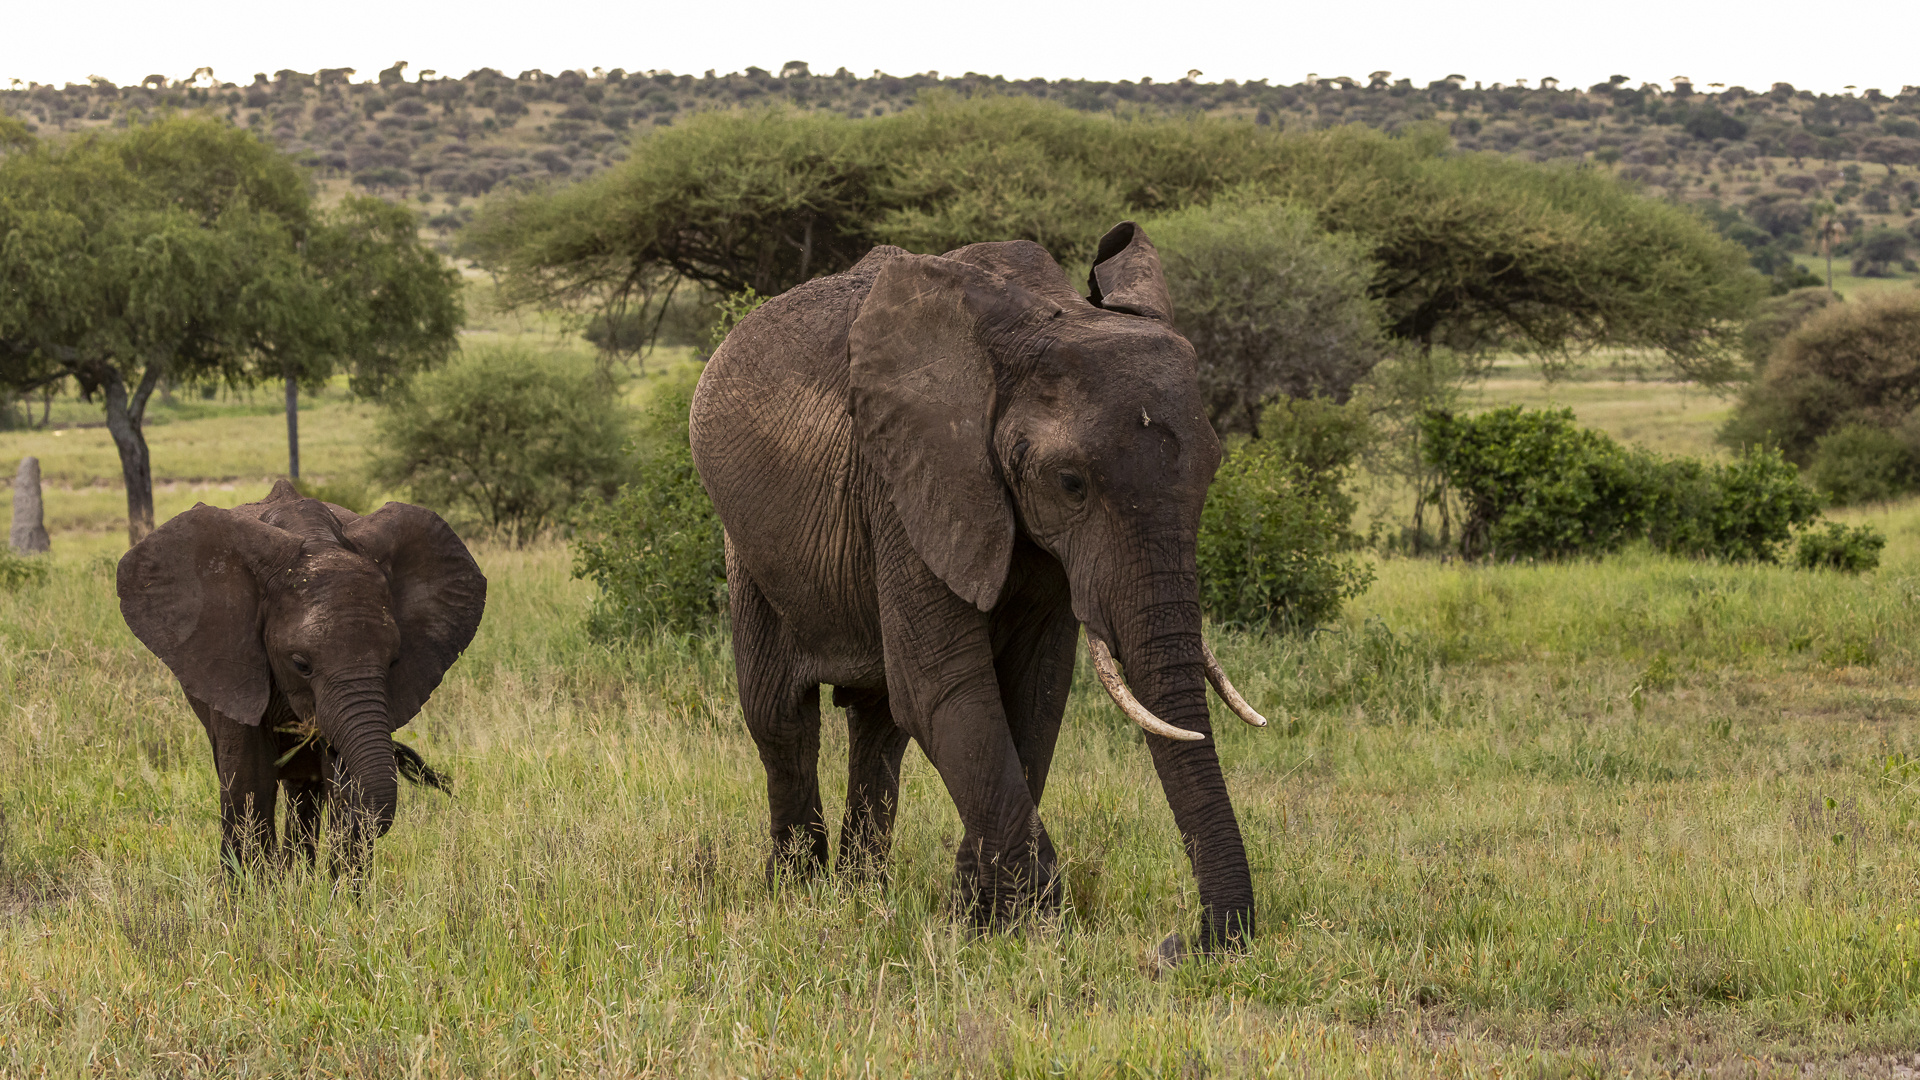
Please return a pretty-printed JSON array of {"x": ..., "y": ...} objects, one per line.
[
  {"x": 361, "y": 293},
  {"x": 177, "y": 250},
  {"x": 1471, "y": 251},
  {"x": 135, "y": 257}
]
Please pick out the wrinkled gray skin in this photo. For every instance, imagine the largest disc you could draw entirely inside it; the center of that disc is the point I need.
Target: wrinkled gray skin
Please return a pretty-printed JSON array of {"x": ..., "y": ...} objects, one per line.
[
  {"x": 291, "y": 611},
  {"x": 932, "y": 470}
]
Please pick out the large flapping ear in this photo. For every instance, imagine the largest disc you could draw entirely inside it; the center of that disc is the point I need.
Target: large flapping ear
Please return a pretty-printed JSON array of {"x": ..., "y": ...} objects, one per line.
[
  {"x": 1126, "y": 275},
  {"x": 921, "y": 387},
  {"x": 191, "y": 592},
  {"x": 438, "y": 596}
]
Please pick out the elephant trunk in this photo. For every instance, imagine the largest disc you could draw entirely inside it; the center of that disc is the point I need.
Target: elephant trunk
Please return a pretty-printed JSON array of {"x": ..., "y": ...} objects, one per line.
[
  {"x": 1166, "y": 666},
  {"x": 353, "y": 717}
]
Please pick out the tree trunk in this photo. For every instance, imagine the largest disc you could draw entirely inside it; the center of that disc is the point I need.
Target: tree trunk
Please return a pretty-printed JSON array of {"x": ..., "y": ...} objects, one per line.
[
  {"x": 293, "y": 425},
  {"x": 125, "y": 414}
]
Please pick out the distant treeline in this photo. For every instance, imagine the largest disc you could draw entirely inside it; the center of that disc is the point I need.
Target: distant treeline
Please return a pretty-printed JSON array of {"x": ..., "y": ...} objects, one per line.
[
  {"x": 412, "y": 127},
  {"x": 1761, "y": 164}
]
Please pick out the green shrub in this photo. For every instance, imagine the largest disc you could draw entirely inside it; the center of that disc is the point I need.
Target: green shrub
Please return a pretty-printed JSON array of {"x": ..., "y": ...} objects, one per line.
[
  {"x": 1272, "y": 303},
  {"x": 1857, "y": 463},
  {"x": 1275, "y": 537},
  {"x": 1537, "y": 486},
  {"x": 1838, "y": 547},
  {"x": 656, "y": 550},
  {"x": 505, "y": 439},
  {"x": 1852, "y": 363},
  {"x": 17, "y": 571},
  {"x": 1743, "y": 511}
]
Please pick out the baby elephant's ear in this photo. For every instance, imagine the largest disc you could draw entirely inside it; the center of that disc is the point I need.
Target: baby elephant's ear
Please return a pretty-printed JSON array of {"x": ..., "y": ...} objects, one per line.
[
  {"x": 191, "y": 592},
  {"x": 1126, "y": 275},
  {"x": 920, "y": 391},
  {"x": 438, "y": 596}
]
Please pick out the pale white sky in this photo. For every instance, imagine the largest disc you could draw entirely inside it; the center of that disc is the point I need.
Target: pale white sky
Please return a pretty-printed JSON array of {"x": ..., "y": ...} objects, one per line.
[{"x": 1752, "y": 43}]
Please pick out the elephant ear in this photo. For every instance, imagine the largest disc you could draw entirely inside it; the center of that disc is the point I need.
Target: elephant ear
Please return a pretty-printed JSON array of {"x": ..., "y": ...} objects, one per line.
[
  {"x": 438, "y": 596},
  {"x": 1126, "y": 275},
  {"x": 191, "y": 592},
  {"x": 921, "y": 393}
]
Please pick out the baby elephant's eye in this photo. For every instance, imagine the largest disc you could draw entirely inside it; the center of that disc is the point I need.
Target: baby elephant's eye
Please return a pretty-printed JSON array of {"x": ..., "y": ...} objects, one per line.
[
  {"x": 300, "y": 665},
  {"x": 1073, "y": 484}
]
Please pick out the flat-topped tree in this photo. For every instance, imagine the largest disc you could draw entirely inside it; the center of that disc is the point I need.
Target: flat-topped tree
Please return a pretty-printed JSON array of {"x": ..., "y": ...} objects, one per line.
[{"x": 188, "y": 250}]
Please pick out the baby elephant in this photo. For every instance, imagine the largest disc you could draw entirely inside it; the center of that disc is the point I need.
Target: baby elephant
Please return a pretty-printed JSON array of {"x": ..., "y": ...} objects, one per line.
[{"x": 304, "y": 635}]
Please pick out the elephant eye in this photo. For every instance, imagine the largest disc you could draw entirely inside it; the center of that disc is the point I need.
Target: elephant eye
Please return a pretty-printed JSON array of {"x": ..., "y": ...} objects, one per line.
[
  {"x": 1073, "y": 484},
  {"x": 300, "y": 665}
]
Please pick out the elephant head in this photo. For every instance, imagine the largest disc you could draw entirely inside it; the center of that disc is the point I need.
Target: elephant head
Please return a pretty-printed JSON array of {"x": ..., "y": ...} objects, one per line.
[
  {"x": 351, "y": 620},
  {"x": 996, "y": 402}
]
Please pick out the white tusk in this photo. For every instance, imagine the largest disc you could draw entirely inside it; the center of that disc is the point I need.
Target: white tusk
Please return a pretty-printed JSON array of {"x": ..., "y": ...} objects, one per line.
[
  {"x": 1123, "y": 697},
  {"x": 1218, "y": 677}
]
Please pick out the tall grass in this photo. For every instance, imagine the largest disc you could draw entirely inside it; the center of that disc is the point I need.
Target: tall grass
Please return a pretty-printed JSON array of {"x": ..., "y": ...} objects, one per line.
[{"x": 1558, "y": 819}]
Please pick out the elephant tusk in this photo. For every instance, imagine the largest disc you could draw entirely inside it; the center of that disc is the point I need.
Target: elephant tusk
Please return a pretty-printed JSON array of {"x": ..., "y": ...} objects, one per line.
[
  {"x": 1217, "y": 675},
  {"x": 1123, "y": 697}
]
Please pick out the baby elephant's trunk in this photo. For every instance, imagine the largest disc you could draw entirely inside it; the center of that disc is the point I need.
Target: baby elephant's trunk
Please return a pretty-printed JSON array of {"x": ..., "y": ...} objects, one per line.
[{"x": 353, "y": 717}]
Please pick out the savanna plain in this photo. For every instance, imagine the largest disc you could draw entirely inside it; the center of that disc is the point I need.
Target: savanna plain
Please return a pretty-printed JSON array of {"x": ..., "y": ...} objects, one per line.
[{"x": 1639, "y": 816}]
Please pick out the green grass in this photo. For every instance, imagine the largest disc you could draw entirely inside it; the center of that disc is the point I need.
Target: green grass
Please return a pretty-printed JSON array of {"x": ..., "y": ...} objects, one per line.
[
  {"x": 1593, "y": 818},
  {"x": 1847, "y": 285}
]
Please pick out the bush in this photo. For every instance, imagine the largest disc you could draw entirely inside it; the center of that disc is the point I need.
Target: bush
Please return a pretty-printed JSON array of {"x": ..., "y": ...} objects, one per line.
[
  {"x": 1537, "y": 486},
  {"x": 1776, "y": 317},
  {"x": 505, "y": 439},
  {"x": 1739, "y": 512},
  {"x": 1838, "y": 547},
  {"x": 1857, "y": 362},
  {"x": 1858, "y": 463},
  {"x": 1272, "y": 303},
  {"x": 18, "y": 570},
  {"x": 656, "y": 550},
  {"x": 1275, "y": 533}
]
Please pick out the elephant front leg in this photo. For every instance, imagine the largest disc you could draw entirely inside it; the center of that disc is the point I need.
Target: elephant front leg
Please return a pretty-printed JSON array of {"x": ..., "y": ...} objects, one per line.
[
  {"x": 874, "y": 748},
  {"x": 243, "y": 759},
  {"x": 304, "y": 800},
  {"x": 944, "y": 689}
]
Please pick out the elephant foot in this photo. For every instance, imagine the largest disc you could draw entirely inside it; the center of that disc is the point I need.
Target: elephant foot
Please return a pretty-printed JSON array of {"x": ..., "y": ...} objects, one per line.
[
  {"x": 1001, "y": 897},
  {"x": 1170, "y": 954}
]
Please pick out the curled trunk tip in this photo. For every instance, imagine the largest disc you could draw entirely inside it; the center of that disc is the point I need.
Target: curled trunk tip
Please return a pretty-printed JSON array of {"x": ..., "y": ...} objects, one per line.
[
  {"x": 1217, "y": 675},
  {"x": 1116, "y": 687}
]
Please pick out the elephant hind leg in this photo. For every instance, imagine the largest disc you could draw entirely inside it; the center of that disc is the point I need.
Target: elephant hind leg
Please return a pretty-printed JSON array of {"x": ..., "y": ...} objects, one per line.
[
  {"x": 783, "y": 715},
  {"x": 875, "y": 745}
]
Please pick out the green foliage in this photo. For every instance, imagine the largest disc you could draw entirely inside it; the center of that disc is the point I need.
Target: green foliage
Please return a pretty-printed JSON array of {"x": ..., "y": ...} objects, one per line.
[
  {"x": 1470, "y": 250},
  {"x": 17, "y": 571},
  {"x": 1741, "y": 511},
  {"x": 1776, "y": 317},
  {"x": 1535, "y": 485},
  {"x": 187, "y": 250},
  {"x": 1857, "y": 362},
  {"x": 1272, "y": 303},
  {"x": 1275, "y": 540},
  {"x": 1849, "y": 549},
  {"x": 1859, "y": 463},
  {"x": 656, "y": 549},
  {"x": 505, "y": 439},
  {"x": 729, "y": 311},
  {"x": 1880, "y": 252}
]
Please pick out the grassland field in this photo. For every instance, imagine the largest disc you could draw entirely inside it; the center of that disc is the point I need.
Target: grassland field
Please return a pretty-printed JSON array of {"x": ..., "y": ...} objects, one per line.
[{"x": 1639, "y": 816}]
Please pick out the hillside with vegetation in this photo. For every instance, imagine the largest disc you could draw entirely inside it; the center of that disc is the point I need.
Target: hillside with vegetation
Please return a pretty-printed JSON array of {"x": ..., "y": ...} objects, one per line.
[{"x": 1784, "y": 171}]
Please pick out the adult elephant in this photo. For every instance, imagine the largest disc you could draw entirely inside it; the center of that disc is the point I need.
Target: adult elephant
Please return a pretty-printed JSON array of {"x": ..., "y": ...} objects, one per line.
[
  {"x": 933, "y": 470},
  {"x": 304, "y": 635}
]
